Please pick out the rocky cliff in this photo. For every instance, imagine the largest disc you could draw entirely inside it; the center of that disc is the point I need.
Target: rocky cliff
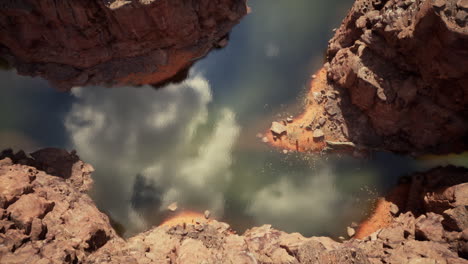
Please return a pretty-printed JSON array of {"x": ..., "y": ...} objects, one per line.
[
  {"x": 113, "y": 42},
  {"x": 396, "y": 78},
  {"x": 47, "y": 217}
]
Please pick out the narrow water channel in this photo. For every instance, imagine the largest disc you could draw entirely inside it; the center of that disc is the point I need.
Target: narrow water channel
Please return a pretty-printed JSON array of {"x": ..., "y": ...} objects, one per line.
[{"x": 196, "y": 143}]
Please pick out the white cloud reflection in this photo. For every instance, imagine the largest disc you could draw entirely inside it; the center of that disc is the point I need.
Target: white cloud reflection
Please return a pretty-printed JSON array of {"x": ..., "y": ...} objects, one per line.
[
  {"x": 301, "y": 206},
  {"x": 161, "y": 135},
  {"x": 272, "y": 50}
]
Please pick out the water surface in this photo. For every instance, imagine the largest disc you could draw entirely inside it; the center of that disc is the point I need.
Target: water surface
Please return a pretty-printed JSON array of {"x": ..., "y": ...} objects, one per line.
[{"x": 195, "y": 143}]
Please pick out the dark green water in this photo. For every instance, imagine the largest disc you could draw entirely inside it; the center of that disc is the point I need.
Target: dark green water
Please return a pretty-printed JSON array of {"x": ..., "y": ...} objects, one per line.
[{"x": 195, "y": 143}]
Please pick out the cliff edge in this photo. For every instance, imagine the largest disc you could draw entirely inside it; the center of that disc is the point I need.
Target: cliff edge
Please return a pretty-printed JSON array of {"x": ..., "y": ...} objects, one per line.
[
  {"x": 47, "y": 217},
  {"x": 114, "y": 42},
  {"x": 396, "y": 79}
]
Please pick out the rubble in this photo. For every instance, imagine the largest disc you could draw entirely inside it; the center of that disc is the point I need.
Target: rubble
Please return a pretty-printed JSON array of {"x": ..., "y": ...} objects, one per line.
[{"x": 278, "y": 129}]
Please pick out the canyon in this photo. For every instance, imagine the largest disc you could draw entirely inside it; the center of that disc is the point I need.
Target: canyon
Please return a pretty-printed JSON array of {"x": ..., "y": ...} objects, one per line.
[{"x": 395, "y": 79}]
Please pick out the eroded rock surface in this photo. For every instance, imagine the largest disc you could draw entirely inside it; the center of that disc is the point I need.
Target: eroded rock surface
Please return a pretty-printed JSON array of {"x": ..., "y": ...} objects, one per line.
[
  {"x": 397, "y": 79},
  {"x": 49, "y": 218},
  {"x": 405, "y": 66},
  {"x": 115, "y": 42},
  {"x": 46, "y": 215}
]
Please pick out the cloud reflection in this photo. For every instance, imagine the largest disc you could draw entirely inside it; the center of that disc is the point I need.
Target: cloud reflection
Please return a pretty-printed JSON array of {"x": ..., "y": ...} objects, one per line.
[
  {"x": 160, "y": 135},
  {"x": 272, "y": 50},
  {"x": 301, "y": 205}
]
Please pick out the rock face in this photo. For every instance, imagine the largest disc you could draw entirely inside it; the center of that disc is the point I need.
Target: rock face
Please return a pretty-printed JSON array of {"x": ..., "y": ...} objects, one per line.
[
  {"x": 396, "y": 79},
  {"x": 47, "y": 217},
  {"x": 115, "y": 42},
  {"x": 404, "y": 65}
]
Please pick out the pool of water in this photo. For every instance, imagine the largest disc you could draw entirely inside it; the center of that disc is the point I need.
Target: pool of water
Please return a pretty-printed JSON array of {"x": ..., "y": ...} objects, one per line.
[{"x": 196, "y": 143}]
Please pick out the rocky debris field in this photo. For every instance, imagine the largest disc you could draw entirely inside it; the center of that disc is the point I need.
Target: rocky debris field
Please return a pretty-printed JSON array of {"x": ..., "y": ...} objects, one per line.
[
  {"x": 47, "y": 217},
  {"x": 396, "y": 79},
  {"x": 311, "y": 131},
  {"x": 115, "y": 42}
]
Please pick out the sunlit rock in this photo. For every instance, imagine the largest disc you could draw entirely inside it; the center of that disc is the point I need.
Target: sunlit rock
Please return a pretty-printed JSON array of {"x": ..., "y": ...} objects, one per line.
[
  {"x": 395, "y": 79},
  {"x": 74, "y": 230},
  {"x": 113, "y": 43},
  {"x": 278, "y": 128}
]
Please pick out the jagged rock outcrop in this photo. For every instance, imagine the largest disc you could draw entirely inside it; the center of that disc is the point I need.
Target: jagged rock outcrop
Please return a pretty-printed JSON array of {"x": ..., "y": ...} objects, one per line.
[
  {"x": 47, "y": 217},
  {"x": 396, "y": 79},
  {"x": 115, "y": 42},
  {"x": 405, "y": 67}
]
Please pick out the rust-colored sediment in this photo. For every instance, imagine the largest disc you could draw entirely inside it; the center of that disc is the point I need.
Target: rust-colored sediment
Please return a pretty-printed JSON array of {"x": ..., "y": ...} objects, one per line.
[
  {"x": 298, "y": 137},
  {"x": 382, "y": 216},
  {"x": 186, "y": 217}
]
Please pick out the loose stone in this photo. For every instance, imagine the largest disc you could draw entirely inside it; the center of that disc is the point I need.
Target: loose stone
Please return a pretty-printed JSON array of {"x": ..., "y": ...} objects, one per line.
[
  {"x": 322, "y": 121},
  {"x": 277, "y": 128},
  {"x": 207, "y": 214},
  {"x": 318, "y": 134},
  {"x": 172, "y": 207}
]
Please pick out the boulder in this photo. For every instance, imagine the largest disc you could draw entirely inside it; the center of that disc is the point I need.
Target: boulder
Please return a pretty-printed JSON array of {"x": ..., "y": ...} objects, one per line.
[
  {"x": 456, "y": 219},
  {"x": 429, "y": 227},
  {"x": 278, "y": 128},
  {"x": 318, "y": 134},
  {"x": 28, "y": 208}
]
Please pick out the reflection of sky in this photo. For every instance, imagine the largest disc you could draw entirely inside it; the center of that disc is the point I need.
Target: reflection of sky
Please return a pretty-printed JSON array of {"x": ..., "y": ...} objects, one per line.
[
  {"x": 195, "y": 143},
  {"x": 31, "y": 113},
  {"x": 155, "y": 135},
  {"x": 272, "y": 53}
]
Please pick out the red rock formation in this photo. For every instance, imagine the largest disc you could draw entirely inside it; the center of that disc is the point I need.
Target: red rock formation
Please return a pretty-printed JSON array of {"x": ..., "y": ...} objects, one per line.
[
  {"x": 47, "y": 217},
  {"x": 115, "y": 42},
  {"x": 443, "y": 191},
  {"x": 399, "y": 70}
]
